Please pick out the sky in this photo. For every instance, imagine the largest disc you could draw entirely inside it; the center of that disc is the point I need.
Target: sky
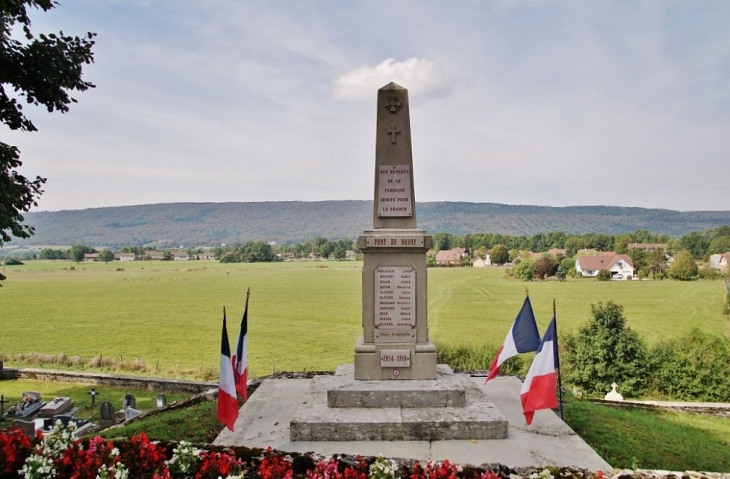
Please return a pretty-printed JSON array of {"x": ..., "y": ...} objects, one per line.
[{"x": 528, "y": 102}]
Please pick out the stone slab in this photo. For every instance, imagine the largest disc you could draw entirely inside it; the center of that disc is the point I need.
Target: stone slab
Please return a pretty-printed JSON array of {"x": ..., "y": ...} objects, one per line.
[
  {"x": 478, "y": 418},
  {"x": 447, "y": 390},
  {"x": 548, "y": 441}
]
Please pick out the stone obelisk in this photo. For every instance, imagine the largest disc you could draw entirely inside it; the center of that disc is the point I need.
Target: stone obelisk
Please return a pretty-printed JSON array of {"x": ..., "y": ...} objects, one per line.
[{"x": 395, "y": 342}]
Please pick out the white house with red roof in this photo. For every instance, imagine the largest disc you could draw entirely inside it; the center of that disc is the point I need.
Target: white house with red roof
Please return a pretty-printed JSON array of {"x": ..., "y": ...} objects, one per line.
[{"x": 619, "y": 265}]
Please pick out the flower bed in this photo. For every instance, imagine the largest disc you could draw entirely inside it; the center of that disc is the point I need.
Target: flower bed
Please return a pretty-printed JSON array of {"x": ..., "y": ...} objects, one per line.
[{"x": 58, "y": 455}]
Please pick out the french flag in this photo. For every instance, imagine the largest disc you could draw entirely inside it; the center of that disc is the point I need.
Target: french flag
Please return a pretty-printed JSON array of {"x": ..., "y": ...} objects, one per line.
[
  {"x": 522, "y": 337},
  {"x": 240, "y": 361},
  {"x": 539, "y": 389},
  {"x": 227, "y": 402}
]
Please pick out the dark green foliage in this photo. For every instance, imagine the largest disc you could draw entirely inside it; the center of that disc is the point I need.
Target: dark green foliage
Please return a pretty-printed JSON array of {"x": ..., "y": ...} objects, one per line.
[
  {"x": 106, "y": 256},
  {"x": 604, "y": 351},
  {"x": 695, "y": 367},
  {"x": 13, "y": 262},
  {"x": 560, "y": 273},
  {"x": 42, "y": 71},
  {"x": 604, "y": 275},
  {"x": 499, "y": 254}
]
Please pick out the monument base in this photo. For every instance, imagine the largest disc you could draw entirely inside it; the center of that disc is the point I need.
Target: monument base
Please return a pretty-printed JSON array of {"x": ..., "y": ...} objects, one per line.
[
  {"x": 368, "y": 365},
  {"x": 436, "y": 417}
]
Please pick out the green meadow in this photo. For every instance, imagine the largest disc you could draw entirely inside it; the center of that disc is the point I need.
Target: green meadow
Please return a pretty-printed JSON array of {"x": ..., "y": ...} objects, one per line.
[{"x": 302, "y": 315}]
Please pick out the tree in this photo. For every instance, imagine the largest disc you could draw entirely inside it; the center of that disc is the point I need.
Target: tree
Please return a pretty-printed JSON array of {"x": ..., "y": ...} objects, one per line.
[
  {"x": 42, "y": 71},
  {"x": 106, "y": 256},
  {"x": 604, "y": 351},
  {"x": 78, "y": 251},
  {"x": 499, "y": 254},
  {"x": 545, "y": 267},
  {"x": 720, "y": 244},
  {"x": 684, "y": 267}
]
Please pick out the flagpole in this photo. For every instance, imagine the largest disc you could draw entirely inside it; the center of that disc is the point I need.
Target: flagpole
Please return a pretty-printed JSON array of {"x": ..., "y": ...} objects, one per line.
[{"x": 557, "y": 354}]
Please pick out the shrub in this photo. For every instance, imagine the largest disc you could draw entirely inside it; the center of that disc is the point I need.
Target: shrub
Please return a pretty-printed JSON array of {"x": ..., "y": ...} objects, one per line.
[
  {"x": 604, "y": 275},
  {"x": 693, "y": 367},
  {"x": 525, "y": 270},
  {"x": 13, "y": 262},
  {"x": 708, "y": 273},
  {"x": 604, "y": 351}
]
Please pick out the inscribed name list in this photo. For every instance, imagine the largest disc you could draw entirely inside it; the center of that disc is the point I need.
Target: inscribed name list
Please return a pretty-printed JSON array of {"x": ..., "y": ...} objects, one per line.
[
  {"x": 395, "y": 297},
  {"x": 394, "y": 191}
]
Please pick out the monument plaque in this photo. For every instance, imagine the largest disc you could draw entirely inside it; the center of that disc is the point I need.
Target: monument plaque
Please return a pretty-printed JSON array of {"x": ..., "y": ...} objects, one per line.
[
  {"x": 395, "y": 301},
  {"x": 394, "y": 195},
  {"x": 395, "y": 358}
]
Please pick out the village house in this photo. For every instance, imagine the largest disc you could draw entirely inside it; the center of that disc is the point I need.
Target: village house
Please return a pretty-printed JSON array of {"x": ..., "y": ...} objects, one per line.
[
  {"x": 125, "y": 256},
  {"x": 155, "y": 255},
  {"x": 482, "y": 262},
  {"x": 179, "y": 255},
  {"x": 89, "y": 257},
  {"x": 720, "y": 262},
  {"x": 205, "y": 255},
  {"x": 451, "y": 257},
  {"x": 619, "y": 265}
]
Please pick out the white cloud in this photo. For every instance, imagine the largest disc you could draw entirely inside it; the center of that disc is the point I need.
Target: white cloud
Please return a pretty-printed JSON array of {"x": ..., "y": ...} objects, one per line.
[{"x": 418, "y": 75}]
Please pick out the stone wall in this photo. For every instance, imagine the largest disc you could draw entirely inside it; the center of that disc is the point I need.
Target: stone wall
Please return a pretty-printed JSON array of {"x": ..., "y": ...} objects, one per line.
[{"x": 134, "y": 382}]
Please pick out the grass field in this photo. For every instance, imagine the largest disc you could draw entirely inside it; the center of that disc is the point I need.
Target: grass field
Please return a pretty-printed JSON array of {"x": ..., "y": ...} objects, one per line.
[{"x": 302, "y": 316}]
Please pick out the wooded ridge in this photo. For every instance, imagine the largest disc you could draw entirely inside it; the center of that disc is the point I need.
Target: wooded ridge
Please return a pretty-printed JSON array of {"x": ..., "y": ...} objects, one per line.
[{"x": 212, "y": 224}]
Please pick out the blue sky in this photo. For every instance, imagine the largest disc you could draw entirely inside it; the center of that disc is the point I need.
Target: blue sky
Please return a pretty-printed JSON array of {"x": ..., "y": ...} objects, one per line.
[{"x": 520, "y": 102}]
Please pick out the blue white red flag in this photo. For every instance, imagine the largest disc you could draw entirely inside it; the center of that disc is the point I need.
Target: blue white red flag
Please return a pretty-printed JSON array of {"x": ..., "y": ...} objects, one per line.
[
  {"x": 522, "y": 337},
  {"x": 227, "y": 402},
  {"x": 240, "y": 361},
  {"x": 539, "y": 389}
]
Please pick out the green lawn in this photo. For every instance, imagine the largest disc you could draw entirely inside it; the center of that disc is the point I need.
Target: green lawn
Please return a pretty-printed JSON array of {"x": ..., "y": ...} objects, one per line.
[{"x": 302, "y": 315}]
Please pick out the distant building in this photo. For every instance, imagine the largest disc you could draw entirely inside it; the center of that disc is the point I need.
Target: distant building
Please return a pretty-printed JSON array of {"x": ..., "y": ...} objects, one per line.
[
  {"x": 451, "y": 257},
  {"x": 155, "y": 255},
  {"x": 126, "y": 256},
  {"x": 720, "y": 262},
  {"x": 619, "y": 265},
  {"x": 482, "y": 262},
  {"x": 88, "y": 257}
]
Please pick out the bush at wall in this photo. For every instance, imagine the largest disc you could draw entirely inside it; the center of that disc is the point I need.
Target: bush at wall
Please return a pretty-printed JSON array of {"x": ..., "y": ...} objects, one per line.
[{"x": 694, "y": 367}]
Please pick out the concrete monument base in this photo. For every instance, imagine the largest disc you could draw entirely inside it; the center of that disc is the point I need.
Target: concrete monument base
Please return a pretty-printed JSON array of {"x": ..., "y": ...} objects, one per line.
[{"x": 451, "y": 407}]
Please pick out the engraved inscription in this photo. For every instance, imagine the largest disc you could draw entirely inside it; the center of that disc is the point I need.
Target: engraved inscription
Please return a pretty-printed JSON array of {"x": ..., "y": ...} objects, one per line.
[
  {"x": 395, "y": 297},
  {"x": 395, "y": 335},
  {"x": 396, "y": 358},
  {"x": 394, "y": 241},
  {"x": 394, "y": 191}
]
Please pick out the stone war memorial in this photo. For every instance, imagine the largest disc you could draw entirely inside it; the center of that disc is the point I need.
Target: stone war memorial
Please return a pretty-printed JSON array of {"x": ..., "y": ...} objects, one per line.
[{"x": 394, "y": 398}]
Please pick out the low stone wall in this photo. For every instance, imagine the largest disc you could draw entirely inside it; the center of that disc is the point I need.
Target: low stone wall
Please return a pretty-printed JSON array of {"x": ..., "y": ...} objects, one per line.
[{"x": 134, "y": 382}]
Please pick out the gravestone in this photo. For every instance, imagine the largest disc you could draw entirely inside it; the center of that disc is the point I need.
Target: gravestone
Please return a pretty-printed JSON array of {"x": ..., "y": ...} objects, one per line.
[
  {"x": 395, "y": 391},
  {"x": 160, "y": 401},
  {"x": 55, "y": 407},
  {"x": 106, "y": 415},
  {"x": 395, "y": 343},
  {"x": 27, "y": 427},
  {"x": 129, "y": 401}
]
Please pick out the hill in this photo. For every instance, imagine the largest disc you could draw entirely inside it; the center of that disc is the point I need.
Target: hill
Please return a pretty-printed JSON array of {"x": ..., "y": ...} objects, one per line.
[{"x": 210, "y": 224}]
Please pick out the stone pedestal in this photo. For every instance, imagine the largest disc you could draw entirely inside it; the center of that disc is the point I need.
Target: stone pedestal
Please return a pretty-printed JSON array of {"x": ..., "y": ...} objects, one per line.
[
  {"x": 341, "y": 408},
  {"x": 395, "y": 343}
]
